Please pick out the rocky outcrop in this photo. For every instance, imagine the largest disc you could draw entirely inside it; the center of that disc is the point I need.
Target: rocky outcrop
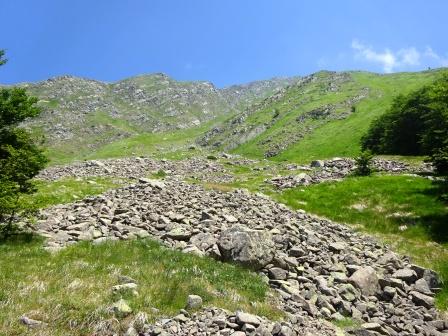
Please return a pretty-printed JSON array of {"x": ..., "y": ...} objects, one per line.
[
  {"x": 80, "y": 111},
  {"x": 264, "y": 122}
]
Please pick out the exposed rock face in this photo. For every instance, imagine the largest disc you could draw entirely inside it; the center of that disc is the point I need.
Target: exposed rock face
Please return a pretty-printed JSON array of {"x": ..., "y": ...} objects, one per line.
[
  {"x": 244, "y": 95},
  {"x": 251, "y": 248},
  {"x": 313, "y": 265},
  {"x": 77, "y": 109}
]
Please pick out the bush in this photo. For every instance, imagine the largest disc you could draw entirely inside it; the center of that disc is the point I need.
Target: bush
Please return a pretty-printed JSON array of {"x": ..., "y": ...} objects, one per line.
[
  {"x": 440, "y": 160},
  {"x": 276, "y": 113},
  {"x": 364, "y": 164}
]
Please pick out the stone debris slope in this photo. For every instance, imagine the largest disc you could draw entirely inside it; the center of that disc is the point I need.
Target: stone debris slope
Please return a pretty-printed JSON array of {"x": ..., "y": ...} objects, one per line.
[
  {"x": 215, "y": 321},
  {"x": 339, "y": 168},
  {"x": 319, "y": 269},
  {"x": 134, "y": 168}
]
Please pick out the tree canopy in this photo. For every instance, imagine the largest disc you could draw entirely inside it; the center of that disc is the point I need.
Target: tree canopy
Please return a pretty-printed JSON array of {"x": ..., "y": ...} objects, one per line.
[
  {"x": 20, "y": 157},
  {"x": 416, "y": 124}
]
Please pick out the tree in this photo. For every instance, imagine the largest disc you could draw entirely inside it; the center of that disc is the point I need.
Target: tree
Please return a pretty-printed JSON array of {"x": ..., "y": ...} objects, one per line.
[
  {"x": 2, "y": 59},
  {"x": 416, "y": 124},
  {"x": 20, "y": 157}
]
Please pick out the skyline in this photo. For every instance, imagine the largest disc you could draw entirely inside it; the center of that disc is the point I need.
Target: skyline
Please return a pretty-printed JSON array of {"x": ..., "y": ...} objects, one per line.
[{"x": 225, "y": 43}]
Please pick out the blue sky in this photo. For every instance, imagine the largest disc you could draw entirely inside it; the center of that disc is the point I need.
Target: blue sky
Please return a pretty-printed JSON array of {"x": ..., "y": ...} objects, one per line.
[{"x": 225, "y": 42}]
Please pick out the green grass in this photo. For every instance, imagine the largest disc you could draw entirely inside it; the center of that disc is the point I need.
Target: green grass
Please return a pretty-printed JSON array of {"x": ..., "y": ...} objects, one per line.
[
  {"x": 160, "y": 174},
  {"x": 71, "y": 290},
  {"x": 346, "y": 323},
  {"x": 381, "y": 204},
  {"x": 70, "y": 189},
  {"x": 342, "y": 137}
]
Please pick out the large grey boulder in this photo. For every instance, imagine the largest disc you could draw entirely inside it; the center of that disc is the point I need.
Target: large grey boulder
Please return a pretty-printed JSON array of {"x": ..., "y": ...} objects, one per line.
[
  {"x": 366, "y": 280},
  {"x": 250, "y": 248}
]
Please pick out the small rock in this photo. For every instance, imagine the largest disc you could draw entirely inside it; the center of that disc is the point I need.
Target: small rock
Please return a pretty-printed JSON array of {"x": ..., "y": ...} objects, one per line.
[
  {"x": 194, "y": 302},
  {"x": 243, "y": 318},
  {"x": 30, "y": 323}
]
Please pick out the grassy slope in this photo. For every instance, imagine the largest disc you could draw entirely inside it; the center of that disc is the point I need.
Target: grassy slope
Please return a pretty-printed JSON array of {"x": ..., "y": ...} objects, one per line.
[
  {"x": 170, "y": 145},
  {"x": 71, "y": 290},
  {"x": 337, "y": 137},
  {"x": 379, "y": 205}
]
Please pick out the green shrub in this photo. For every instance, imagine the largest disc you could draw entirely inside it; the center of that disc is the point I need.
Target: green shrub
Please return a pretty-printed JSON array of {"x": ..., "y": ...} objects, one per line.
[
  {"x": 440, "y": 160},
  {"x": 364, "y": 164}
]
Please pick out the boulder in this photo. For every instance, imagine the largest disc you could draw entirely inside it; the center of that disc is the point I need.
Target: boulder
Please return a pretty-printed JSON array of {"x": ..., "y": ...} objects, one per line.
[
  {"x": 153, "y": 183},
  {"x": 250, "y": 248},
  {"x": 179, "y": 233},
  {"x": 317, "y": 163},
  {"x": 278, "y": 273},
  {"x": 422, "y": 300},
  {"x": 406, "y": 274},
  {"x": 121, "y": 308},
  {"x": 366, "y": 280},
  {"x": 31, "y": 323},
  {"x": 245, "y": 318}
]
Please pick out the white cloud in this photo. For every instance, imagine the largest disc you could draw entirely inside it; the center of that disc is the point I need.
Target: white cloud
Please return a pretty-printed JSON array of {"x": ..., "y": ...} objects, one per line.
[
  {"x": 387, "y": 59},
  {"x": 442, "y": 61},
  {"x": 403, "y": 59},
  {"x": 410, "y": 56}
]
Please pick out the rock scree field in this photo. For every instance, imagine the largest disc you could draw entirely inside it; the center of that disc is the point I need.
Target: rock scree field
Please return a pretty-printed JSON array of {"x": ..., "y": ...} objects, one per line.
[{"x": 176, "y": 208}]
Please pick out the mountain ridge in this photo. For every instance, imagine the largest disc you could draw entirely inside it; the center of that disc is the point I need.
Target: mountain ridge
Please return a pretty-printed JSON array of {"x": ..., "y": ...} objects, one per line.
[
  {"x": 82, "y": 112},
  {"x": 276, "y": 118}
]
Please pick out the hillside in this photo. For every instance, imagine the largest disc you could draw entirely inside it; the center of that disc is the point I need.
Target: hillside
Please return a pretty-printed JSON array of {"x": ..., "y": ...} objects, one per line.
[
  {"x": 322, "y": 115},
  {"x": 80, "y": 115},
  {"x": 220, "y": 244}
]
